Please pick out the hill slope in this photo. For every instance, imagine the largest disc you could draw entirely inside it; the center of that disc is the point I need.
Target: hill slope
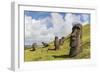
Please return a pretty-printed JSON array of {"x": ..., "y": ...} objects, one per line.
[{"x": 45, "y": 54}]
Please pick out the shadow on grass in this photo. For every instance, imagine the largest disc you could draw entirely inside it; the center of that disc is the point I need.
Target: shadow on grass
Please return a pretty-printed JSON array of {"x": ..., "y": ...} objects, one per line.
[
  {"x": 32, "y": 50},
  {"x": 62, "y": 56}
]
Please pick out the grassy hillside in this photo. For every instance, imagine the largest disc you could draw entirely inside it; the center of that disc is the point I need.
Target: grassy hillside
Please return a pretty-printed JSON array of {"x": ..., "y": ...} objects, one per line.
[{"x": 42, "y": 54}]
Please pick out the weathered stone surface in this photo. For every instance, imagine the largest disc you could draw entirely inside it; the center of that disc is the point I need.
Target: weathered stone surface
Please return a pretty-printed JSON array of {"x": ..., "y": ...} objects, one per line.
[
  {"x": 45, "y": 44},
  {"x": 75, "y": 40},
  {"x": 56, "y": 43},
  {"x": 33, "y": 47},
  {"x": 61, "y": 41}
]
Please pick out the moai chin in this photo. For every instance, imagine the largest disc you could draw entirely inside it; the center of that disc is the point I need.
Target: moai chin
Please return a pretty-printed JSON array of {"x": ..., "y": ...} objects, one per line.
[
  {"x": 56, "y": 43},
  {"x": 75, "y": 40}
]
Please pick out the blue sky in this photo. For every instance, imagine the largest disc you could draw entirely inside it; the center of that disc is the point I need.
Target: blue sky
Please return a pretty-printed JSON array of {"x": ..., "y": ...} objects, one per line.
[
  {"x": 44, "y": 26},
  {"x": 39, "y": 15}
]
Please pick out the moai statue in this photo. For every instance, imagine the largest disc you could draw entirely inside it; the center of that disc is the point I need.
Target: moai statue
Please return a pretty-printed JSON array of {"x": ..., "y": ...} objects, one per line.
[
  {"x": 33, "y": 47},
  {"x": 75, "y": 40},
  {"x": 56, "y": 43},
  {"x": 45, "y": 44},
  {"x": 61, "y": 41}
]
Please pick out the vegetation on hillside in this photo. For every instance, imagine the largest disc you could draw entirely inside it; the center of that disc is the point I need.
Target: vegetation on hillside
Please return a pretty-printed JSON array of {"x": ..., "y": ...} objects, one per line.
[{"x": 43, "y": 54}]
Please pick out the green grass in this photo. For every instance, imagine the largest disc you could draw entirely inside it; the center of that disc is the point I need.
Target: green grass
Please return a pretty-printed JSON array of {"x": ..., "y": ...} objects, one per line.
[{"x": 43, "y": 54}]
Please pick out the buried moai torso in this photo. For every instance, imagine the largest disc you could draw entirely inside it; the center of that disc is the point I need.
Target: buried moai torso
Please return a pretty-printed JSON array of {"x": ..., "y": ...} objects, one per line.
[
  {"x": 56, "y": 43},
  {"x": 75, "y": 40},
  {"x": 33, "y": 47},
  {"x": 45, "y": 44}
]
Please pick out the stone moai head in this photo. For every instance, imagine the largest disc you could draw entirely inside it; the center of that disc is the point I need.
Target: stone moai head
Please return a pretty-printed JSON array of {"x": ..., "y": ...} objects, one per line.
[
  {"x": 75, "y": 39},
  {"x": 33, "y": 47},
  {"x": 45, "y": 44},
  {"x": 56, "y": 43},
  {"x": 61, "y": 41},
  {"x": 56, "y": 38}
]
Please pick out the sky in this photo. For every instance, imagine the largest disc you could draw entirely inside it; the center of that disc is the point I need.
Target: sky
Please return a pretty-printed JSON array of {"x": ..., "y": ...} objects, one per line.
[{"x": 44, "y": 26}]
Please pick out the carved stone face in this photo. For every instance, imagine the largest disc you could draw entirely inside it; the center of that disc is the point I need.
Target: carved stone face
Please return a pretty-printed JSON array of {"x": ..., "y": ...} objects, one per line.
[
  {"x": 56, "y": 38},
  {"x": 75, "y": 40},
  {"x": 56, "y": 43},
  {"x": 61, "y": 41},
  {"x": 75, "y": 35}
]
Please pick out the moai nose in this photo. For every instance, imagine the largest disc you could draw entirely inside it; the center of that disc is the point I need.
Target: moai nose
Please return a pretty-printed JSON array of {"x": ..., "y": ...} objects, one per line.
[{"x": 73, "y": 34}]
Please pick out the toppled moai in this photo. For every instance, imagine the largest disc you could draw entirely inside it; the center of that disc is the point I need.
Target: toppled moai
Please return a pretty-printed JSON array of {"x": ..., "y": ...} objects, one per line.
[
  {"x": 56, "y": 43},
  {"x": 45, "y": 44},
  {"x": 75, "y": 40},
  {"x": 61, "y": 41},
  {"x": 33, "y": 47}
]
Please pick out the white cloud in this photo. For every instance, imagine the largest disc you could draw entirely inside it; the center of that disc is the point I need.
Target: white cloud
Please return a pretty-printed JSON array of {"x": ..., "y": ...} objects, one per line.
[
  {"x": 38, "y": 31},
  {"x": 58, "y": 23}
]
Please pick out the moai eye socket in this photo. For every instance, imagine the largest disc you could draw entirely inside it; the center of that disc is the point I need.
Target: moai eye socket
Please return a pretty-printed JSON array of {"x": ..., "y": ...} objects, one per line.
[
  {"x": 78, "y": 28},
  {"x": 75, "y": 40}
]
